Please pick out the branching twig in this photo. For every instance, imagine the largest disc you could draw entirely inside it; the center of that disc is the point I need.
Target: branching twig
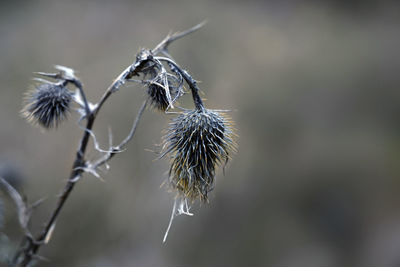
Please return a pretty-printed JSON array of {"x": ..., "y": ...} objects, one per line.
[
  {"x": 163, "y": 46},
  {"x": 118, "y": 148}
]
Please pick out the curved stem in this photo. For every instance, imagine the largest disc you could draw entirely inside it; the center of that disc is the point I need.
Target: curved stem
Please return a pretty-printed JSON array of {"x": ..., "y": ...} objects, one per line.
[
  {"x": 189, "y": 80},
  {"x": 111, "y": 154},
  {"x": 78, "y": 85}
]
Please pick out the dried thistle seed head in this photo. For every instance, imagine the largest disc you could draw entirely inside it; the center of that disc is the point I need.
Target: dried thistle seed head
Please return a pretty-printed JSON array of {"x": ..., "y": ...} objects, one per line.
[
  {"x": 198, "y": 141},
  {"x": 163, "y": 93},
  {"x": 47, "y": 104}
]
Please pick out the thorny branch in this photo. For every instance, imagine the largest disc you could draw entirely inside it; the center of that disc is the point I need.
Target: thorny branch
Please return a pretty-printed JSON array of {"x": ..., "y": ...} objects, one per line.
[{"x": 30, "y": 246}]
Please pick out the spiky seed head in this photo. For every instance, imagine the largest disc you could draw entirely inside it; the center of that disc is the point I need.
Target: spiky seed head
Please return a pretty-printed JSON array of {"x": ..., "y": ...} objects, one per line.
[
  {"x": 198, "y": 141},
  {"x": 47, "y": 104},
  {"x": 162, "y": 90},
  {"x": 157, "y": 93}
]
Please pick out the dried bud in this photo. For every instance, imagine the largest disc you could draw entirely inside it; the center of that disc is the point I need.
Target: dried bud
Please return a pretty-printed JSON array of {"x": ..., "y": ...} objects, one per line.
[
  {"x": 47, "y": 104},
  {"x": 159, "y": 97},
  {"x": 198, "y": 141},
  {"x": 163, "y": 88}
]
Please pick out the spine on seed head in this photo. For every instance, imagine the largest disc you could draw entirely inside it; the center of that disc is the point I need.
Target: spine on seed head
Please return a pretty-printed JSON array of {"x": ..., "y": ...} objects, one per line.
[
  {"x": 198, "y": 141},
  {"x": 47, "y": 104}
]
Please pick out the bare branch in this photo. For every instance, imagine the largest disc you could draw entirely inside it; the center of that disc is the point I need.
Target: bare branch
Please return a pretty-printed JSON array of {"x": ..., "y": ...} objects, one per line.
[
  {"x": 163, "y": 46},
  {"x": 78, "y": 85},
  {"x": 128, "y": 73},
  {"x": 129, "y": 137},
  {"x": 23, "y": 210}
]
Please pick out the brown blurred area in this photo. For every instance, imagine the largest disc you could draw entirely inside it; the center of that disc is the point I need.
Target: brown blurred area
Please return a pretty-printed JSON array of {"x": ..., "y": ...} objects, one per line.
[{"x": 314, "y": 90}]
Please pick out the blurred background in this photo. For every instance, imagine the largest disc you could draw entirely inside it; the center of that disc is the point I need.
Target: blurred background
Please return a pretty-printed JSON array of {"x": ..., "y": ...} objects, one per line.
[{"x": 313, "y": 87}]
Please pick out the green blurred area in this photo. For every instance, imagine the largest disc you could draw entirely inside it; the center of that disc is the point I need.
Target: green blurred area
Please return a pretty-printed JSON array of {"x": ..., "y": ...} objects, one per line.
[{"x": 314, "y": 90}]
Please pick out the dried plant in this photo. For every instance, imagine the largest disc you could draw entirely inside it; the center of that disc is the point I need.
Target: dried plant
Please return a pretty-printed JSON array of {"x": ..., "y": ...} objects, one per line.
[
  {"x": 48, "y": 104},
  {"x": 197, "y": 141}
]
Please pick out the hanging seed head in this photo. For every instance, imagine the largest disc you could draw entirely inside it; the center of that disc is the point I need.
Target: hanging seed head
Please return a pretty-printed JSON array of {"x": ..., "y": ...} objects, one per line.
[
  {"x": 163, "y": 88},
  {"x": 47, "y": 104},
  {"x": 163, "y": 93},
  {"x": 198, "y": 141}
]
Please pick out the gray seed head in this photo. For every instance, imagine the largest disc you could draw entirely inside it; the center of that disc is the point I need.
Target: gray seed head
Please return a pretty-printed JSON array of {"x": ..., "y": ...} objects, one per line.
[
  {"x": 198, "y": 141},
  {"x": 47, "y": 104},
  {"x": 158, "y": 95},
  {"x": 157, "y": 86}
]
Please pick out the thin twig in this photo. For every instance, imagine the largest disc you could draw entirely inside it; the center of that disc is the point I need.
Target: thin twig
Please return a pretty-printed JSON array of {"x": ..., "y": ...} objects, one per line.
[
  {"x": 113, "y": 88},
  {"x": 163, "y": 46},
  {"x": 22, "y": 208},
  {"x": 118, "y": 148},
  {"x": 78, "y": 84}
]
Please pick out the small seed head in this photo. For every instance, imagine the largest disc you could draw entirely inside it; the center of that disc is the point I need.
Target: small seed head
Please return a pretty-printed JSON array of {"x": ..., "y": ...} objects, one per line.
[
  {"x": 157, "y": 93},
  {"x": 198, "y": 141},
  {"x": 47, "y": 104}
]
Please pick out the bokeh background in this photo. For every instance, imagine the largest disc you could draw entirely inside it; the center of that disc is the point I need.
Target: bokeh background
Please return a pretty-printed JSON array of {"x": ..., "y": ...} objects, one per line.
[{"x": 313, "y": 87}]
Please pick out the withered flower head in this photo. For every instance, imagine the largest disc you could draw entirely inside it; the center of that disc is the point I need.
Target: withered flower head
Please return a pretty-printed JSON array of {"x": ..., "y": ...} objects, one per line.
[
  {"x": 198, "y": 141},
  {"x": 47, "y": 104},
  {"x": 163, "y": 88},
  {"x": 162, "y": 95}
]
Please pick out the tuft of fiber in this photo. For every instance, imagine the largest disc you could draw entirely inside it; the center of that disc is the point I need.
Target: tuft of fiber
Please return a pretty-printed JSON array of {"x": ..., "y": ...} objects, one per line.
[
  {"x": 47, "y": 104},
  {"x": 198, "y": 141}
]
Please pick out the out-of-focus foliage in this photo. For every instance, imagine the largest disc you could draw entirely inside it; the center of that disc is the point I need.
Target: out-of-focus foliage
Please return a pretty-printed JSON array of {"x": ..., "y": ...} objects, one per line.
[{"x": 314, "y": 89}]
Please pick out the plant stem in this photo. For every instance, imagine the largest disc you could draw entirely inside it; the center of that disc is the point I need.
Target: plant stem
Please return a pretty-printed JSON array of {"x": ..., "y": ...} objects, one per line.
[
  {"x": 34, "y": 245},
  {"x": 118, "y": 148},
  {"x": 189, "y": 80}
]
